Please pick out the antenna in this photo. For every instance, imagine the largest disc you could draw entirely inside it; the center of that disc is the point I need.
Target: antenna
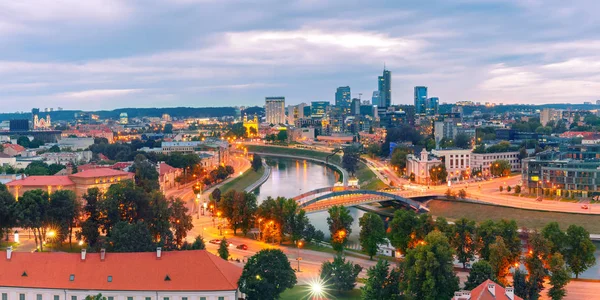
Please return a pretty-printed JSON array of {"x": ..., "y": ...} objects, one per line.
[{"x": 359, "y": 96}]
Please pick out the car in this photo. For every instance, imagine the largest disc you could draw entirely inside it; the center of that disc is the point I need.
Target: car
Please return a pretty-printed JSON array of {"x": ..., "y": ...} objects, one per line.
[
  {"x": 215, "y": 241},
  {"x": 242, "y": 247},
  {"x": 584, "y": 207}
]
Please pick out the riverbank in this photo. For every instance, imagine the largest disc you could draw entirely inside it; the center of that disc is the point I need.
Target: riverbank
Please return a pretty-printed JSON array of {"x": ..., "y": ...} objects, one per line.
[
  {"x": 531, "y": 219},
  {"x": 242, "y": 182},
  {"x": 366, "y": 178},
  {"x": 262, "y": 179}
]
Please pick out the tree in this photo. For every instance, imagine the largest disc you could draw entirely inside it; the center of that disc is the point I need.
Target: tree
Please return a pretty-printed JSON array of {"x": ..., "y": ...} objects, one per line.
[
  {"x": 339, "y": 274},
  {"x": 340, "y": 222},
  {"x": 401, "y": 230},
  {"x": 517, "y": 189},
  {"x": 256, "y": 162},
  {"x": 462, "y": 141},
  {"x": 309, "y": 233},
  {"x": 500, "y": 167},
  {"x": 216, "y": 195},
  {"x": 319, "y": 236},
  {"x": 33, "y": 211},
  {"x": 146, "y": 175},
  {"x": 579, "y": 254},
  {"x": 520, "y": 283},
  {"x": 486, "y": 234},
  {"x": 97, "y": 297},
  {"x": 181, "y": 221},
  {"x": 350, "y": 159},
  {"x": 500, "y": 260},
  {"x": 508, "y": 230},
  {"x": 239, "y": 208},
  {"x": 91, "y": 211},
  {"x": 197, "y": 244},
  {"x": 63, "y": 210},
  {"x": 480, "y": 272},
  {"x": 560, "y": 275},
  {"x": 536, "y": 262},
  {"x": 373, "y": 150},
  {"x": 381, "y": 284},
  {"x": 372, "y": 233},
  {"x": 168, "y": 129},
  {"x": 282, "y": 135},
  {"x": 126, "y": 237},
  {"x": 462, "y": 239},
  {"x": 429, "y": 272},
  {"x": 462, "y": 194},
  {"x": 8, "y": 211},
  {"x": 224, "y": 249},
  {"x": 266, "y": 275},
  {"x": 54, "y": 149},
  {"x": 556, "y": 237},
  {"x": 398, "y": 159},
  {"x": 296, "y": 221},
  {"x": 438, "y": 173}
]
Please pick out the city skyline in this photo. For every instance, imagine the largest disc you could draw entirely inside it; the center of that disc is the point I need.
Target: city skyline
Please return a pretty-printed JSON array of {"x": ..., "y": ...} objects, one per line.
[{"x": 103, "y": 55}]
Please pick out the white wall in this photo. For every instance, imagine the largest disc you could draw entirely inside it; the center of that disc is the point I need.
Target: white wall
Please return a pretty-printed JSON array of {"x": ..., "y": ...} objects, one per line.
[{"x": 48, "y": 294}]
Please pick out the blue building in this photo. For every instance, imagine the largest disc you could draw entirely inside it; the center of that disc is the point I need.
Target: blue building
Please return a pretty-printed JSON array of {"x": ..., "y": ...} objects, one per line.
[
  {"x": 420, "y": 100},
  {"x": 385, "y": 89},
  {"x": 343, "y": 98},
  {"x": 318, "y": 109},
  {"x": 432, "y": 106}
]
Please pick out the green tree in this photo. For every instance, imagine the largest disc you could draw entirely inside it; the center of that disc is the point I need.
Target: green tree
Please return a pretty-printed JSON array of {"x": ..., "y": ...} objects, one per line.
[
  {"x": 463, "y": 240},
  {"x": 500, "y": 168},
  {"x": 441, "y": 224},
  {"x": 462, "y": 194},
  {"x": 373, "y": 150},
  {"x": 224, "y": 249},
  {"x": 536, "y": 262},
  {"x": 146, "y": 175},
  {"x": 296, "y": 221},
  {"x": 91, "y": 213},
  {"x": 8, "y": 211},
  {"x": 181, "y": 221},
  {"x": 63, "y": 210},
  {"x": 340, "y": 222},
  {"x": 401, "y": 232},
  {"x": 560, "y": 275},
  {"x": 486, "y": 234},
  {"x": 381, "y": 284},
  {"x": 97, "y": 297},
  {"x": 197, "y": 244},
  {"x": 579, "y": 254},
  {"x": 462, "y": 141},
  {"x": 126, "y": 237},
  {"x": 429, "y": 272},
  {"x": 509, "y": 231},
  {"x": 339, "y": 274},
  {"x": 480, "y": 272},
  {"x": 33, "y": 212},
  {"x": 438, "y": 173},
  {"x": 256, "y": 162},
  {"x": 350, "y": 159},
  {"x": 54, "y": 149},
  {"x": 266, "y": 275},
  {"x": 168, "y": 129},
  {"x": 520, "y": 284},
  {"x": 372, "y": 233},
  {"x": 555, "y": 236},
  {"x": 500, "y": 260},
  {"x": 398, "y": 159},
  {"x": 239, "y": 208}
]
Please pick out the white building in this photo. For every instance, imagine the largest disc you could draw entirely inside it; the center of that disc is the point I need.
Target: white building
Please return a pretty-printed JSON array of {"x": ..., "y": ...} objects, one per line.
[
  {"x": 295, "y": 112},
  {"x": 275, "y": 110},
  {"x": 64, "y": 158},
  {"x": 173, "y": 275},
  {"x": 483, "y": 161},
  {"x": 455, "y": 160},
  {"x": 420, "y": 166},
  {"x": 75, "y": 143}
]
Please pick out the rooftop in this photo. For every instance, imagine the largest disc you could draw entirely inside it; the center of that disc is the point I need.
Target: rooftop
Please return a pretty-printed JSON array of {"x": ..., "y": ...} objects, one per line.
[
  {"x": 195, "y": 270},
  {"x": 100, "y": 172},
  {"x": 42, "y": 181}
]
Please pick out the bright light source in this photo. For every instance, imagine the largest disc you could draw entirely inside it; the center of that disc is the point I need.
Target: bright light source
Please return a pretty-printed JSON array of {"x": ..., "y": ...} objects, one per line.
[
  {"x": 51, "y": 233},
  {"x": 80, "y": 243},
  {"x": 317, "y": 289}
]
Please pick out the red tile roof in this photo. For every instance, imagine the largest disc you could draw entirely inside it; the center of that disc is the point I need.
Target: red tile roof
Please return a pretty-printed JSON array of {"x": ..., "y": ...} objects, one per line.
[
  {"x": 42, "y": 181},
  {"x": 481, "y": 292},
  {"x": 163, "y": 169},
  {"x": 100, "y": 172},
  {"x": 15, "y": 147},
  {"x": 195, "y": 270}
]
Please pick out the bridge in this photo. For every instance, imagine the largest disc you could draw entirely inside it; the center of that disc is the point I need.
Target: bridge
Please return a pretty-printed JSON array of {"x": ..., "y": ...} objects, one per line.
[{"x": 324, "y": 198}]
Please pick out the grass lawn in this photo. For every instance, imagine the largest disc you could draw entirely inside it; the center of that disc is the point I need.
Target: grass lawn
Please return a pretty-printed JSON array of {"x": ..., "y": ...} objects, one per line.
[
  {"x": 244, "y": 181},
  {"x": 300, "y": 292},
  {"x": 4, "y": 244},
  {"x": 367, "y": 179},
  {"x": 531, "y": 219}
]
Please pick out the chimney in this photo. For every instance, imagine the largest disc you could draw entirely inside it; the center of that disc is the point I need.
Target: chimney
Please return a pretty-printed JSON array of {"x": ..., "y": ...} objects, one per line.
[
  {"x": 158, "y": 252},
  {"x": 102, "y": 254},
  {"x": 83, "y": 252},
  {"x": 510, "y": 292},
  {"x": 9, "y": 253},
  {"x": 492, "y": 288}
]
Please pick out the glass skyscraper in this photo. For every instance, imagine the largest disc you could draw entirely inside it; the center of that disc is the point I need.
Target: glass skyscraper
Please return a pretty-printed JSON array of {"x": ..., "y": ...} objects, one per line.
[
  {"x": 343, "y": 98},
  {"x": 385, "y": 89},
  {"x": 318, "y": 109},
  {"x": 275, "y": 110},
  {"x": 420, "y": 100},
  {"x": 432, "y": 106}
]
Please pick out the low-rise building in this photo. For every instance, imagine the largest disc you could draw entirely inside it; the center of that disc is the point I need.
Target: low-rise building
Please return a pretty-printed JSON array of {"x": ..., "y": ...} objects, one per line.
[
  {"x": 13, "y": 149},
  {"x": 419, "y": 166},
  {"x": 75, "y": 144},
  {"x": 64, "y": 158},
  {"x": 173, "y": 275},
  {"x": 488, "y": 290},
  {"x": 167, "y": 176},
  {"x": 483, "y": 161},
  {"x": 457, "y": 161},
  {"x": 7, "y": 160},
  {"x": 79, "y": 183}
]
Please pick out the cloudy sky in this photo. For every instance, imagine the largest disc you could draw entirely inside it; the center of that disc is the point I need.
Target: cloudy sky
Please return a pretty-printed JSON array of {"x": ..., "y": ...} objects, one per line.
[{"x": 104, "y": 54}]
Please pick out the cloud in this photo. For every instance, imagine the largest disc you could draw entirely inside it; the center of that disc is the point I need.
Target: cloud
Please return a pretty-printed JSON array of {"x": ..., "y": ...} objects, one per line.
[{"x": 98, "y": 93}]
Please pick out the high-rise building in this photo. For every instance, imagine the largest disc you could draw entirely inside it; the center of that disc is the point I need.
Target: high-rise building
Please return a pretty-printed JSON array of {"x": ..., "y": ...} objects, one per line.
[
  {"x": 275, "y": 110},
  {"x": 318, "y": 109},
  {"x": 355, "y": 108},
  {"x": 385, "y": 89},
  {"x": 432, "y": 106},
  {"x": 295, "y": 112},
  {"x": 420, "y": 100},
  {"x": 375, "y": 98},
  {"x": 343, "y": 98}
]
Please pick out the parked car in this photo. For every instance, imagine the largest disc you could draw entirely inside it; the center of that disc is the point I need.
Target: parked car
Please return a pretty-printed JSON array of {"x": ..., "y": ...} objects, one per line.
[
  {"x": 242, "y": 246},
  {"x": 215, "y": 241},
  {"x": 584, "y": 207}
]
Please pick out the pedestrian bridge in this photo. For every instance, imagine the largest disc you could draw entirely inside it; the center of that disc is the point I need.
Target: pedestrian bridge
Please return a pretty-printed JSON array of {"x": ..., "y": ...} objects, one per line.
[{"x": 324, "y": 198}]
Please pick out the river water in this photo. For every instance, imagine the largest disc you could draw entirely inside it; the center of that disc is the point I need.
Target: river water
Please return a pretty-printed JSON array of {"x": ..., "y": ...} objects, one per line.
[{"x": 292, "y": 177}]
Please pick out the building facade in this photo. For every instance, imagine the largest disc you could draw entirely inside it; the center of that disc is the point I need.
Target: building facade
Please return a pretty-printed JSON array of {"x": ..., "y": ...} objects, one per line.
[
  {"x": 456, "y": 161},
  {"x": 295, "y": 112},
  {"x": 432, "y": 107},
  {"x": 420, "y": 100},
  {"x": 318, "y": 109},
  {"x": 483, "y": 161},
  {"x": 173, "y": 275},
  {"x": 385, "y": 89},
  {"x": 419, "y": 166},
  {"x": 343, "y": 98},
  {"x": 275, "y": 110}
]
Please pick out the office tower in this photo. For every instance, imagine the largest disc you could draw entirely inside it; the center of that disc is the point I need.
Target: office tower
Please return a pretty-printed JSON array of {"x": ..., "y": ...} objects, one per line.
[
  {"x": 432, "y": 106},
  {"x": 275, "y": 110},
  {"x": 385, "y": 89},
  {"x": 318, "y": 109},
  {"x": 355, "y": 109},
  {"x": 420, "y": 100},
  {"x": 295, "y": 112},
  {"x": 375, "y": 98},
  {"x": 342, "y": 98}
]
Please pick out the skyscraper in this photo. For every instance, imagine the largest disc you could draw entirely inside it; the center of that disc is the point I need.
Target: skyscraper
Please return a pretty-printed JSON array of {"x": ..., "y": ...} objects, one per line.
[
  {"x": 375, "y": 98},
  {"x": 385, "y": 89},
  {"x": 275, "y": 110},
  {"x": 432, "y": 106},
  {"x": 318, "y": 109},
  {"x": 420, "y": 100},
  {"x": 342, "y": 98}
]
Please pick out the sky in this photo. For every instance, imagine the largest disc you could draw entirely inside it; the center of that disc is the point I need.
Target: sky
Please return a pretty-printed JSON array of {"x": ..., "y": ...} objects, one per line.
[{"x": 106, "y": 54}]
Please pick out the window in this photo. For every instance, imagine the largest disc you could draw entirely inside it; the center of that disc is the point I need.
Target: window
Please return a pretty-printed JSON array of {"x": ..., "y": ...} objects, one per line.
[
  {"x": 21, "y": 296},
  {"x": 184, "y": 298},
  {"x": 38, "y": 296},
  {"x": 111, "y": 298},
  {"x": 129, "y": 298},
  {"x": 109, "y": 279},
  {"x": 166, "y": 298},
  {"x": 56, "y": 297},
  {"x": 148, "y": 298},
  {"x": 221, "y": 298},
  {"x": 202, "y": 298},
  {"x": 72, "y": 277},
  {"x": 4, "y": 296},
  {"x": 73, "y": 297}
]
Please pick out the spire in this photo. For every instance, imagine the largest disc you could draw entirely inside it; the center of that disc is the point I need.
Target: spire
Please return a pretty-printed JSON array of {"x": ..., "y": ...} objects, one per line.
[{"x": 384, "y": 65}]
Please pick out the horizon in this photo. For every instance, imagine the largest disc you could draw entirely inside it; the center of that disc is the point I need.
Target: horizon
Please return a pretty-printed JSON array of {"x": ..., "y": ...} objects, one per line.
[{"x": 99, "y": 54}]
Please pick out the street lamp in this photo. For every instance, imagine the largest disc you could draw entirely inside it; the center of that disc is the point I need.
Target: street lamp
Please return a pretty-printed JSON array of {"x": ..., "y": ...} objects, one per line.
[{"x": 299, "y": 245}]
